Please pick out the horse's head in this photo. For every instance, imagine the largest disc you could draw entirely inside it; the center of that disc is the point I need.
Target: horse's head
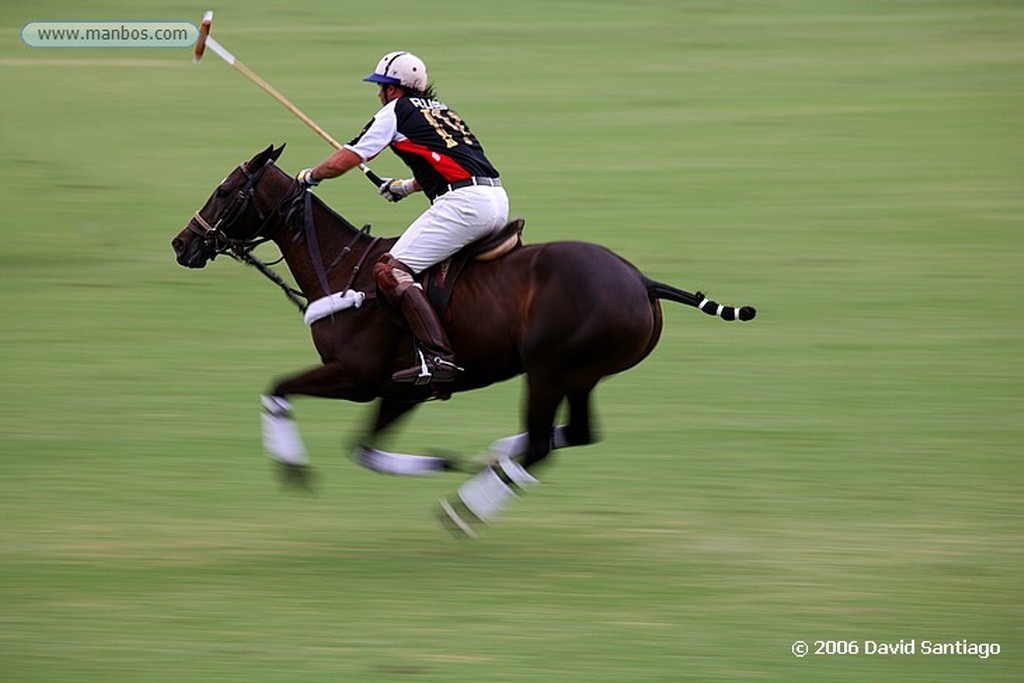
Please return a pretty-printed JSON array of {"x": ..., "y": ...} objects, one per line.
[{"x": 231, "y": 217}]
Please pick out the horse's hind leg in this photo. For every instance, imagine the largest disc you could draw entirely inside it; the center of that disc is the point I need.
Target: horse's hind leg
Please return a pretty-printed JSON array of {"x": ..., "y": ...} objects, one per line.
[
  {"x": 486, "y": 495},
  {"x": 578, "y": 431},
  {"x": 542, "y": 406}
]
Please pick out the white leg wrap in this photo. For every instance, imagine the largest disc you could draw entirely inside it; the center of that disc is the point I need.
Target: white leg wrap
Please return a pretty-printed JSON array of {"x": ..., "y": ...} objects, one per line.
[
  {"x": 510, "y": 446},
  {"x": 399, "y": 463},
  {"x": 489, "y": 492},
  {"x": 515, "y": 446},
  {"x": 558, "y": 439},
  {"x": 281, "y": 437}
]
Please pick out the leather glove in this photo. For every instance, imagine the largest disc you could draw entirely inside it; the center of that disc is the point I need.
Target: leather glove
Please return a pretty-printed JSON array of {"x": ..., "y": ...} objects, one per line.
[
  {"x": 305, "y": 178},
  {"x": 396, "y": 190}
]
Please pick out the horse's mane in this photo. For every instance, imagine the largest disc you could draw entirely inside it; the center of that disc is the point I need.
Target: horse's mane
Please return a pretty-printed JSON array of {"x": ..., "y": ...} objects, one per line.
[{"x": 318, "y": 202}]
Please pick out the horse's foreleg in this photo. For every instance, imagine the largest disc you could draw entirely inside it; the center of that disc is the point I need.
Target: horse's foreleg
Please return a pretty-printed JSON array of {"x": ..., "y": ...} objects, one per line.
[
  {"x": 281, "y": 438},
  {"x": 282, "y": 442},
  {"x": 367, "y": 455}
]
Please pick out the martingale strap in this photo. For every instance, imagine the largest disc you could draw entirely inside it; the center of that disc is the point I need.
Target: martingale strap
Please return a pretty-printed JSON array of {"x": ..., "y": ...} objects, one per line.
[
  {"x": 240, "y": 250},
  {"x": 313, "y": 244}
]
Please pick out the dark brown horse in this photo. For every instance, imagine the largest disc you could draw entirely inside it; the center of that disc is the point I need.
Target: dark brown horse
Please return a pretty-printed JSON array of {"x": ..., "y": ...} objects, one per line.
[{"x": 566, "y": 314}]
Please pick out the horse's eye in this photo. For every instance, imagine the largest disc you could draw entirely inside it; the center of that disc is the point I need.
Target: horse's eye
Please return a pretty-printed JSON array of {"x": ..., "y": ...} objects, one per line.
[{"x": 221, "y": 193}]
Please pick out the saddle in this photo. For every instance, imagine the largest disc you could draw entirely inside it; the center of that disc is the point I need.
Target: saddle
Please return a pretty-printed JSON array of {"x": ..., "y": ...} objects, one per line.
[{"x": 439, "y": 281}]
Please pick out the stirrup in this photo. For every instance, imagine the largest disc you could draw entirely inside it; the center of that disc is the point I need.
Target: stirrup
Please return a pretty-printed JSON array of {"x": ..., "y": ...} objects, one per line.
[{"x": 426, "y": 376}]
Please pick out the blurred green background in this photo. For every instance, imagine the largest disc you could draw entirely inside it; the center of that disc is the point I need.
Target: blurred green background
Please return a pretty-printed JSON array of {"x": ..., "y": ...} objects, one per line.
[{"x": 847, "y": 467}]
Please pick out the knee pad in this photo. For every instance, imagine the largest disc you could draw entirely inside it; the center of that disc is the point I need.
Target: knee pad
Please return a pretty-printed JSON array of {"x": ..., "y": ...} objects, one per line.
[{"x": 393, "y": 278}]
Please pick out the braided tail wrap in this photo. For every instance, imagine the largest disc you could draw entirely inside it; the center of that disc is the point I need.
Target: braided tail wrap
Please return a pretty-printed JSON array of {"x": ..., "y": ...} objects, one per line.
[
  {"x": 658, "y": 290},
  {"x": 728, "y": 313}
]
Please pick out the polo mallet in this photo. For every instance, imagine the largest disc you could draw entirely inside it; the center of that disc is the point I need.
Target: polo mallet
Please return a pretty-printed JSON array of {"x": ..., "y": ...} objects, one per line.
[{"x": 206, "y": 40}]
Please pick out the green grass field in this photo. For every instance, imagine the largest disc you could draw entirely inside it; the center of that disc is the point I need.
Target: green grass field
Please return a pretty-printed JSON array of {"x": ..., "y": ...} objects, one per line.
[{"x": 845, "y": 468}]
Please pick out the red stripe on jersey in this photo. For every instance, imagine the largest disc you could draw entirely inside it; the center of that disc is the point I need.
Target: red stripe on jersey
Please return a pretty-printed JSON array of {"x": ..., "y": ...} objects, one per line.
[{"x": 445, "y": 165}]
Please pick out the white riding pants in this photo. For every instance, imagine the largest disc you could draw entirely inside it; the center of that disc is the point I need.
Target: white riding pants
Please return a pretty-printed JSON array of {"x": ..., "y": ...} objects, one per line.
[{"x": 454, "y": 220}]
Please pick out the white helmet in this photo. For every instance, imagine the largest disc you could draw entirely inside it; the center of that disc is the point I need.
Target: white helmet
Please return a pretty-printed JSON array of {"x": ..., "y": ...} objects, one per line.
[{"x": 400, "y": 68}]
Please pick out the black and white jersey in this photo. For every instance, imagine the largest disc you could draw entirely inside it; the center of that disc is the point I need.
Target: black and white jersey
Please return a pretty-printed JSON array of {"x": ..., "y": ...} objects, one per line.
[{"x": 430, "y": 138}]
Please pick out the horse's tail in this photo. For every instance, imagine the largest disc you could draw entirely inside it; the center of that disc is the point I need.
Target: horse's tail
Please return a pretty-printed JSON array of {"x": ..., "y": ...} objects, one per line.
[{"x": 659, "y": 290}]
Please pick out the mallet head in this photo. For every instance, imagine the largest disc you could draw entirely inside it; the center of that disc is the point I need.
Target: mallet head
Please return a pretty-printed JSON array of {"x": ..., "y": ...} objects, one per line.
[{"x": 204, "y": 31}]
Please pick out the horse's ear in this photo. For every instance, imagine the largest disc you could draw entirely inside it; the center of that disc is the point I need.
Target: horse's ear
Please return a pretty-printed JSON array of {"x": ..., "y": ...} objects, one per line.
[
  {"x": 267, "y": 156},
  {"x": 261, "y": 157}
]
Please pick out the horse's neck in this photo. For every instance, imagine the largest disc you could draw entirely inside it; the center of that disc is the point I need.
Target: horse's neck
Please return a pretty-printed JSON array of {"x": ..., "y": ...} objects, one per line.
[{"x": 331, "y": 234}]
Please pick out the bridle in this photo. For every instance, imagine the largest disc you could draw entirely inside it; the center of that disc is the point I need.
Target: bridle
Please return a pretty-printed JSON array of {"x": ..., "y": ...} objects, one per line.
[
  {"x": 214, "y": 237},
  {"x": 215, "y": 240}
]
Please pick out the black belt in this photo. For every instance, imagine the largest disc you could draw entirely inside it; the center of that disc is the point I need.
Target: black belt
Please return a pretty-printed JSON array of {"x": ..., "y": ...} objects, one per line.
[{"x": 475, "y": 180}]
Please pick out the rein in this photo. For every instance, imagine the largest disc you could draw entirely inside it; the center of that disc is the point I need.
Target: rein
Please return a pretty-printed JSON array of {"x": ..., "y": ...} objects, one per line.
[
  {"x": 240, "y": 249},
  {"x": 294, "y": 295}
]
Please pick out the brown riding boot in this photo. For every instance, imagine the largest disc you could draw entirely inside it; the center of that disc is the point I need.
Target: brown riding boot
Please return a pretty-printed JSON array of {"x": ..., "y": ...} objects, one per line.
[{"x": 436, "y": 360}]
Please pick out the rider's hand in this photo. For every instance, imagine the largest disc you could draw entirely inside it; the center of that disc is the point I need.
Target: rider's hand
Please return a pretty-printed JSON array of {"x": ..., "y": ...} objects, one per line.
[
  {"x": 396, "y": 190},
  {"x": 306, "y": 179}
]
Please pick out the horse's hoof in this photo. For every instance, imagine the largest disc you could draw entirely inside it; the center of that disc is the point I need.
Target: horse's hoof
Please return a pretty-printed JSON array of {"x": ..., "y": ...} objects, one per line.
[
  {"x": 455, "y": 522},
  {"x": 296, "y": 476}
]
